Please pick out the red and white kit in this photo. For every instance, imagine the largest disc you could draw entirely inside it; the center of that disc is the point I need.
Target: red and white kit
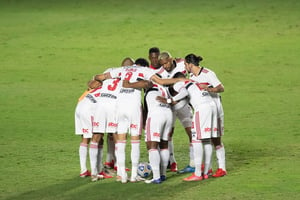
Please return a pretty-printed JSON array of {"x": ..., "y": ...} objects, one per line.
[
  {"x": 205, "y": 111},
  {"x": 105, "y": 115},
  {"x": 160, "y": 117},
  {"x": 208, "y": 77},
  {"x": 129, "y": 107},
  {"x": 84, "y": 113}
]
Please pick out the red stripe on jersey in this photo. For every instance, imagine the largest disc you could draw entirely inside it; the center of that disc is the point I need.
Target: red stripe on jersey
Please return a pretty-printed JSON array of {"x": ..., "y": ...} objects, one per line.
[
  {"x": 206, "y": 83},
  {"x": 141, "y": 75},
  {"x": 161, "y": 70},
  {"x": 198, "y": 127}
]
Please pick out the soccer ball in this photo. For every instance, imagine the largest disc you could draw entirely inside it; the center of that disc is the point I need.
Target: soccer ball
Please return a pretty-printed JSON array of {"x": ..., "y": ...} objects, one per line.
[{"x": 144, "y": 170}]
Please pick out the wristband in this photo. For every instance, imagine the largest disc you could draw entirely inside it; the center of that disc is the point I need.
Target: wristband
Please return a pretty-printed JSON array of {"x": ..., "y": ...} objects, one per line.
[{"x": 169, "y": 100}]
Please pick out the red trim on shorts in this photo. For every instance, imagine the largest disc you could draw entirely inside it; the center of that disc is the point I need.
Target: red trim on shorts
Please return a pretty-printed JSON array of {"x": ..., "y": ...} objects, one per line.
[
  {"x": 148, "y": 129},
  {"x": 198, "y": 127}
]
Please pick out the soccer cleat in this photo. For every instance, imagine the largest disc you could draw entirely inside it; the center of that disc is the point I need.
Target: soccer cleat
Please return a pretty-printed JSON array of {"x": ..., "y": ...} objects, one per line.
[
  {"x": 85, "y": 174},
  {"x": 96, "y": 177},
  {"x": 173, "y": 167},
  {"x": 124, "y": 178},
  {"x": 210, "y": 172},
  {"x": 105, "y": 175},
  {"x": 205, "y": 176},
  {"x": 163, "y": 178},
  {"x": 154, "y": 181},
  {"x": 136, "y": 179},
  {"x": 118, "y": 178},
  {"x": 116, "y": 169},
  {"x": 193, "y": 177},
  {"x": 219, "y": 173},
  {"x": 187, "y": 169},
  {"x": 109, "y": 165}
]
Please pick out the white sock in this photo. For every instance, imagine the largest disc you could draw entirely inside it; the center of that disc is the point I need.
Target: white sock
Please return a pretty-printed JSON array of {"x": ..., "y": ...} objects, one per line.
[
  {"x": 154, "y": 159},
  {"x": 135, "y": 157},
  {"x": 220, "y": 153},
  {"x": 164, "y": 157},
  {"x": 198, "y": 156},
  {"x": 82, "y": 157},
  {"x": 99, "y": 158},
  {"x": 93, "y": 157},
  {"x": 208, "y": 154},
  {"x": 121, "y": 157},
  {"x": 192, "y": 162},
  {"x": 171, "y": 150},
  {"x": 116, "y": 162}
]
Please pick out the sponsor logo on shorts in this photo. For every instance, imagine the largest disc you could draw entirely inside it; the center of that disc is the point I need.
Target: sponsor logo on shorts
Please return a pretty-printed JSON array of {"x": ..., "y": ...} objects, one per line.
[
  {"x": 156, "y": 134},
  {"x": 133, "y": 126},
  {"x": 207, "y": 129},
  {"x": 96, "y": 124},
  {"x": 85, "y": 130},
  {"x": 111, "y": 124}
]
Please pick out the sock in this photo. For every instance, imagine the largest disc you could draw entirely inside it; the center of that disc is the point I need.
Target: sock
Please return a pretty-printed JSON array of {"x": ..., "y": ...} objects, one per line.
[
  {"x": 135, "y": 157},
  {"x": 93, "y": 158},
  {"x": 154, "y": 159},
  {"x": 82, "y": 157},
  {"x": 99, "y": 158},
  {"x": 171, "y": 150},
  {"x": 164, "y": 157},
  {"x": 208, "y": 154},
  {"x": 116, "y": 162},
  {"x": 192, "y": 162},
  {"x": 121, "y": 157},
  {"x": 198, "y": 156},
  {"x": 220, "y": 153}
]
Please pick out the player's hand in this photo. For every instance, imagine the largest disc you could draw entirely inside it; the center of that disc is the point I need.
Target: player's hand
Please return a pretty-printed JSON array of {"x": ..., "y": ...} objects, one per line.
[
  {"x": 93, "y": 84},
  {"x": 161, "y": 99}
]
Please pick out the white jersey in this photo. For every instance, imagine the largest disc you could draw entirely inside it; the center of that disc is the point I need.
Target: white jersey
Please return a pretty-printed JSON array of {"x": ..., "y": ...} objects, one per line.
[
  {"x": 197, "y": 95},
  {"x": 208, "y": 77},
  {"x": 159, "y": 119},
  {"x": 180, "y": 67},
  {"x": 129, "y": 106},
  {"x": 84, "y": 113},
  {"x": 205, "y": 110},
  {"x": 105, "y": 116}
]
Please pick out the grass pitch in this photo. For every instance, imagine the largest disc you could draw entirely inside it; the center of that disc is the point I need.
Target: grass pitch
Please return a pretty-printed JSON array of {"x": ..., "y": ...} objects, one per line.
[{"x": 50, "y": 49}]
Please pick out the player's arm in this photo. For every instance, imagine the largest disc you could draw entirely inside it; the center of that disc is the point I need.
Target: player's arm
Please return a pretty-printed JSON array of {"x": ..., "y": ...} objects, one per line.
[
  {"x": 137, "y": 85},
  {"x": 168, "y": 81},
  {"x": 218, "y": 89},
  {"x": 173, "y": 100},
  {"x": 102, "y": 77},
  {"x": 93, "y": 84}
]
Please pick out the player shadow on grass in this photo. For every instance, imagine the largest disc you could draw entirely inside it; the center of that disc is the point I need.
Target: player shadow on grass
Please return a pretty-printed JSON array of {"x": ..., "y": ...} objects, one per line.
[{"x": 79, "y": 188}]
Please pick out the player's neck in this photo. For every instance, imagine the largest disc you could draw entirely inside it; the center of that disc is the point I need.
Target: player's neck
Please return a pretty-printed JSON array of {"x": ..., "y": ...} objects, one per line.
[{"x": 196, "y": 70}]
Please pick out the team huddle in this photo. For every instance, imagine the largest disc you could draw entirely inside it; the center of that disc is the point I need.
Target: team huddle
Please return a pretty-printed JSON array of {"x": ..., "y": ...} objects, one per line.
[{"x": 173, "y": 88}]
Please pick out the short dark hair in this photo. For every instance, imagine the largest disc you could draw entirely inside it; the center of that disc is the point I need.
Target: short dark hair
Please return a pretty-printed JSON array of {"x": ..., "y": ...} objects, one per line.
[
  {"x": 179, "y": 75},
  {"x": 142, "y": 62},
  {"x": 154, "y": 50},
  {"x": 192, "y": 58}
]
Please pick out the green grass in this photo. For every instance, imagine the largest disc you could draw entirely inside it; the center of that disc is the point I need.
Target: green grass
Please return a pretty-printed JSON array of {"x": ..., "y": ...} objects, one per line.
[{"x": 50, "y": 49}]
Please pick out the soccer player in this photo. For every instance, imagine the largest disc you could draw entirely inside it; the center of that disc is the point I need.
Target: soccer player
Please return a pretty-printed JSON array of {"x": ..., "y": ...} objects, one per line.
[
  {"x": 206, "y": 76},
  {"x": 129, "y": 112},
  {"x": 84, "y": 113},
  {"x": 110, "y": 162},
  {"x": 204, "y": 122},
  {"x": 171, "y": 66},
  {"x": 153, "y": 58}
]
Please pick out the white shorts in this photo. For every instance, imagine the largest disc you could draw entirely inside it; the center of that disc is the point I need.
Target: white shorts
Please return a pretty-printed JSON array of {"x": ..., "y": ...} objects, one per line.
[
  {"x": 220, "y": 118},
  {"x": 84, "y": 118},
  {"x": 105, "y": 116},
  {"x": 158, "y": 126},
  {"x": 185, "y": 116},
  {"x": 129, "y": 118},
  {"x": 204, "y": 124}
]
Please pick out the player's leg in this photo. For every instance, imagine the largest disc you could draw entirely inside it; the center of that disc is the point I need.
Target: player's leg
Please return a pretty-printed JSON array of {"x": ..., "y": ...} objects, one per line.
[
  {"x": 94, "y": 158},
  {"x": 164, "y": 157},
  {"x": 83, "y": 152},
  {"x": 110, "y": 155},
  {"x": 135, "y": 156},
  {"x": 154, "y": 159},
  {"x": 120, "y": 155}
]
